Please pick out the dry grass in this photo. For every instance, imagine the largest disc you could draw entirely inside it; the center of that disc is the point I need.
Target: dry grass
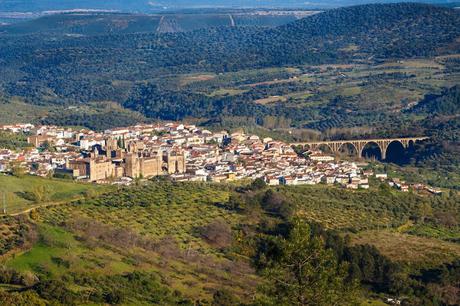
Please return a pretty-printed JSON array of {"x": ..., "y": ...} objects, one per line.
[
  {"x": 276, "y": 81},
  {"x": 417, "y": 63},
  {"x": 409, "y": 249},
  {"x": 196, "y": 78},
  {"x": 269, "y": 100}
]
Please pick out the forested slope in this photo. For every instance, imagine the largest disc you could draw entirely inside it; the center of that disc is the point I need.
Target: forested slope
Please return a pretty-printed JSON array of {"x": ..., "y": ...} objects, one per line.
[
  {"x": 70, "y": 69},
  {"x": 447, "y": 103}
]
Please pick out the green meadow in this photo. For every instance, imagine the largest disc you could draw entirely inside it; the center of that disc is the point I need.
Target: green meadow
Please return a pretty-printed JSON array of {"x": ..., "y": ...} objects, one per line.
[{"x": 18, "y": 191}]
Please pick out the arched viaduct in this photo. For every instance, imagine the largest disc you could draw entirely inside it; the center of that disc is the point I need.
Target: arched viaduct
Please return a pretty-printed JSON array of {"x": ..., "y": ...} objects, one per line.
[{"x": 359, "y": 144}]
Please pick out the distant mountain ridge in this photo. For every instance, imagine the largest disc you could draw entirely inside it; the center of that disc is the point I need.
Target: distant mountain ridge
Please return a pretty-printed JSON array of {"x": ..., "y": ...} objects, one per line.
[
  {"x": 100, "y": 23},
  {"x": 363, "y": 32},
  {"x": 148, "y": 6},
  {"x": 381, "y": 30}
]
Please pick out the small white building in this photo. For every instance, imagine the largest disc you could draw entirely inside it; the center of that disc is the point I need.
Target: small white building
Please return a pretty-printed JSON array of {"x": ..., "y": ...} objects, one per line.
[{"x": 321, "y": 158}]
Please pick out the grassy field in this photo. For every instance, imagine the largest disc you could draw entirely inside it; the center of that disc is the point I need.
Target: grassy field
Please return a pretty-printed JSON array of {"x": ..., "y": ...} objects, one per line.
[
  {"x": 17, "y": 191},
  {"x": 412, "y": 250},
  {"x": 270, "y": 100},
  {"x": 432, "y": 231},
  {"x": 227, "y": 92},
  {"x": 188, "y": 79},
  {"x": 373, "y": 303},
  {"x": 59, "y": 253}
]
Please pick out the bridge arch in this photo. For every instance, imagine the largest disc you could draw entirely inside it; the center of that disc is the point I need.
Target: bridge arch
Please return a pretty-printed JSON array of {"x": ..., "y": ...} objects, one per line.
[
  {"x": 393, "y": 145},
  {"x": 405, "y": 144},
  {"x": 396, "y": 150},
  {"x": 348, "y": 144},
  {"x": 372, "y": 148},
  {"x": 380, "y": 146},
  {"x": 300, "y": 147},
  {"x": 323, "y": 146}
]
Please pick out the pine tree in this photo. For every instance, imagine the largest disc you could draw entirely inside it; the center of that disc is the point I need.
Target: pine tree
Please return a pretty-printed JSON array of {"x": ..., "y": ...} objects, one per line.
[{"x": 306, "y": 273}]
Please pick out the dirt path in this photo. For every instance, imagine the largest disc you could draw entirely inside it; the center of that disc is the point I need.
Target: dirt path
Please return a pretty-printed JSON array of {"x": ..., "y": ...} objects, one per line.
[
  {"x": 41, "y": 206},
  {"x": 232, "y": 21}
]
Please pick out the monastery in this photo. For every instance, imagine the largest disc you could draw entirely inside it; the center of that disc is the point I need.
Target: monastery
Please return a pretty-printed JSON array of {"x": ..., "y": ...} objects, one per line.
[{"x": 136, "y": 161}]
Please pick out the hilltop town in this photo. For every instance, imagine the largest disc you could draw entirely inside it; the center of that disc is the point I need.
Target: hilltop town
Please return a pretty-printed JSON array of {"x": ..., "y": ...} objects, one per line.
[{"x": 183, "y": 153}]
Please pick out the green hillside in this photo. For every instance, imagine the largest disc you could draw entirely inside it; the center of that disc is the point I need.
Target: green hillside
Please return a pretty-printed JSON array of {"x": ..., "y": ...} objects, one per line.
[
  {"x": 186, "y": 243},
  {"x": 370, "y": 71},
  {"x": 27, "y": 192}
]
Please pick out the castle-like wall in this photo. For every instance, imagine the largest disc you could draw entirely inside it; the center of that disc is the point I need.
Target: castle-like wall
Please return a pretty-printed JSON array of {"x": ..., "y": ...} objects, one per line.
[
  {"x": 101, "y": 170},
  {"x": 134, "y": 163},
  {"x": 151, "y": 166},
  {"x": 176, "y": 163}
]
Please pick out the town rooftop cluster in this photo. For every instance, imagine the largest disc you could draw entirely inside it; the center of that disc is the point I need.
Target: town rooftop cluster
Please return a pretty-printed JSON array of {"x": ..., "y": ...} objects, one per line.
[{"x": 183, "y": 153}]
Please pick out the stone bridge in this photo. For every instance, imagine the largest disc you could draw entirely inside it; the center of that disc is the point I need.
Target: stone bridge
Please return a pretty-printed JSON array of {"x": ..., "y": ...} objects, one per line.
[{"x": 359, "y": 144}]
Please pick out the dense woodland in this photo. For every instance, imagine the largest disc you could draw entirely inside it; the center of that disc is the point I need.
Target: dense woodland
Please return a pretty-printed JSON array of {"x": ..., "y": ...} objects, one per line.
[
  {"x": 59, "y": 69},
  {"x": 442, "y": 124},
  {"x": 447, "y": 103},
  {"x": 63, "y": 68},
  {"x": 95, "y": 121}
]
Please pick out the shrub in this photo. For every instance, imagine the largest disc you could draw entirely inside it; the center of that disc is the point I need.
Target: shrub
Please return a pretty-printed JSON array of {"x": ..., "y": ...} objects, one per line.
[
  {"x": 278, "y": 204},
  {"x": 218, "y": 233},
  {"x": 223, "y": 298},
  {"x": 40, "y": 194},
  {"x": 55, "y": 290},
  {"x": 258, "y": 184},
  {"x": 29, "y": 279}
]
